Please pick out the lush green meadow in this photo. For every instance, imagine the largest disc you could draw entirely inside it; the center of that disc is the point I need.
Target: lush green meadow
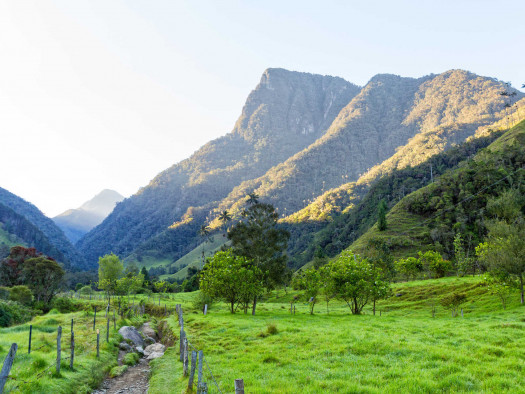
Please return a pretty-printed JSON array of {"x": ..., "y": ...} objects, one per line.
[
  {"x": 403, "y": 350},
  {"x": 36, "y": 372}
]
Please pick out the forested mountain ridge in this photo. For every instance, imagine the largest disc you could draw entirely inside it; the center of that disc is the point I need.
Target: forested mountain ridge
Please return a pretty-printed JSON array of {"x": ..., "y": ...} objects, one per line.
[
  {"x": 285, "y": 113},
  {"x": 388, "y": 114},
  {"x": 456, "y": 203},
  {"x": 28, "y": 223}
]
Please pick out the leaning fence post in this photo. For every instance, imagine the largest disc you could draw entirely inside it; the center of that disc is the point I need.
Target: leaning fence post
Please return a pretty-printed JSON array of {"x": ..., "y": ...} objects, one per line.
[
  {"x": 72, "y": 350},
  {"x": 185, "y": 359},
  {"x": 98, "y": 343},
  {"x": 239, "y": 386},
  {"x": 181, "y": 344},
  {"x": 6, "y": 368},
  {"x": 192, "y": 369},
  {"x": 59, "y": 348},
  {"x": 30, "y": 334}
]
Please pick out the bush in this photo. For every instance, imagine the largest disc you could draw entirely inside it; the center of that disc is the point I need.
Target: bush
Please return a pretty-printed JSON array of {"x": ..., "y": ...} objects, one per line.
[
  {"x": 131, "y": 358},
  {"x": 21, "y": 294},
  {"x": 117, "y": 371},
  {"x": 14, "y": 313},
  {"x": 65, "y": 305},
  {"x": 200, "y": 300},
  {"x": 4, "y": 293}
]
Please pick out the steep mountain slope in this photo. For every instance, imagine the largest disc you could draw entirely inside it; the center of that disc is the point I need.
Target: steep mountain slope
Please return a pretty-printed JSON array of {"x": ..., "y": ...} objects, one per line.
[
  {"x": 430, "y": 217},
  {"x": 290, "y": 168},
  {"x": 77, "y": 222},
  {"x": 285, "y": 113},
  {"x": 24, "y": 220}
]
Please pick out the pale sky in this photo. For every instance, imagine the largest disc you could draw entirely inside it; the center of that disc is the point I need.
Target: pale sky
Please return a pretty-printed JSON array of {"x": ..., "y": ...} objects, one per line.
[{"x": 106, "y": 94}]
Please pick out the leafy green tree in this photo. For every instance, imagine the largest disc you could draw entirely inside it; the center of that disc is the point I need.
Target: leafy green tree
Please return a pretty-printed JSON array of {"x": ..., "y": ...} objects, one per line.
[
  {"x": 504, "y": 250},
  {"x": 43, "y": 276},
  {"x": 311, "y": 282},
  {"x": 232, "y": 278},
  {"x": 258, "y": 238},
  {"x": 21, "y": 294},
  {"x": 434, "y": 263},
  {"x": 500, "y": 285},
  {"x": 454, "y": 301},
  {"x": 464, "y": 263},
  {"x": 110, "y": 269},
  {"x": 351, "y": 279},
  {"x": 381, "y": 216},
  {"x": 410, "y": 267}
]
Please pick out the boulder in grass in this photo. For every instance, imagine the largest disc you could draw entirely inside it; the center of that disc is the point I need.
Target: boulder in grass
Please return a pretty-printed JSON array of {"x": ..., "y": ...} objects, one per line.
[
  {"x": 132, "y": 334},
  {"x": 148, "y": 331}
]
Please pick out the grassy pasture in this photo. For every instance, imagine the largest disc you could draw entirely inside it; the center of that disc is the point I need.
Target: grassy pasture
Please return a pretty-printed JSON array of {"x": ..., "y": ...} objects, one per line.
[{"x": 404, "y": 350}]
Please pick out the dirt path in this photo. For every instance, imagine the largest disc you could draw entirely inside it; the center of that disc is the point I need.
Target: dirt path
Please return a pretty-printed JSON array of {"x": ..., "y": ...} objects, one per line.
[{"x": 133, "y": 381}]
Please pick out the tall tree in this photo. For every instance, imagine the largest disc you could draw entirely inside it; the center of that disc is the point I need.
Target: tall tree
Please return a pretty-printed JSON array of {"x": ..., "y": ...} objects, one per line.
[
  {"x": 258, "y": 238},
  {"x": 43, "y": 276},
  {"x": 110, "y": 269}
]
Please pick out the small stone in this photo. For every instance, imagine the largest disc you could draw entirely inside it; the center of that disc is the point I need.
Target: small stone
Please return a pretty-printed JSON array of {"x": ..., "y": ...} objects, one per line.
[
  {"x": 155, "y": 355},
  {"x": 124, "y": 346},
  {"x": 140, "y": 350},
  {"x": 156, "y": 347}
]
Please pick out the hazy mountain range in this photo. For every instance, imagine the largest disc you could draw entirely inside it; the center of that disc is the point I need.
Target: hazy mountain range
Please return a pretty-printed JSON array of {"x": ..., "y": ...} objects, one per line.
[{"x": 77, "y": 222}]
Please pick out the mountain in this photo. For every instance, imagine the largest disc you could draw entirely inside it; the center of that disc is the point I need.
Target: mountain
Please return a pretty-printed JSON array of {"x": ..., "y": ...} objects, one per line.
[
  {"x": 77, "y": 222},
  {"x": 24, "y": 221},
  {"x": 456, "y": 202},
  {"x": 299, "y": 136},
  {"x": 284, "y": 114}
]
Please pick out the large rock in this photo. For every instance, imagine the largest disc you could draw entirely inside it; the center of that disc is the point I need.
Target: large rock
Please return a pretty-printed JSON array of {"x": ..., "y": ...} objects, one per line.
[
  {"x": 148, "y": 331},
  {"x": 155, "y": 355},
  {"x": 155, "y": 348},
  {"x": 131, "y": 333}
]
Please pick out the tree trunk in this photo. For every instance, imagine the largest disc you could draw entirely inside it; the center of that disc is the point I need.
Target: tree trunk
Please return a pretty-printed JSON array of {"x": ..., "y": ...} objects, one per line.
[
  {"x": 521, "y": 287},
  {"x": 254, "y": 305}
]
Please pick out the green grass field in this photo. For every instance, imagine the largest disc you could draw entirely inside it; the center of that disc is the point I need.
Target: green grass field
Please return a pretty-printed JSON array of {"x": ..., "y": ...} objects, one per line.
[
  {"x": 36, "y": 372},
  {"x": 403, "y": 350}
]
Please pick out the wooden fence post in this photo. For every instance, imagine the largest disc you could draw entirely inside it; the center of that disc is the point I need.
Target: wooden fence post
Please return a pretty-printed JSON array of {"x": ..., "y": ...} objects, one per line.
[
  {"x": 239, "y": 386},
  {"x": 98, "y": 343},
  {"x": 205, "y": 309},
  {"x": 461, "y": 312},
  {"x": 181, "y": 343},
  {"x": 199, "y": 373},
  {"x": 107, "y": 330},
  {"x": 192, "y": 369},
  {"x": 30, "y": 334},
  {"x": 185, "y": 359},
  {"x": 202, "y": 388},
  {"x": 59, "y": 348},
  {"x": 95, "y": 318},
  {"x": 6, "y": 368},
  {"x": 114, "y": 320},
  {"x": 72, "y": 358}
]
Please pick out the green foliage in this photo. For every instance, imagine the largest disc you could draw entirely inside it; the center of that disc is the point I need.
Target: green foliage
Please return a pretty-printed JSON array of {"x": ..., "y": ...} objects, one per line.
[
  {"x": 454, "y": 301},
  {"x": 353, "y": 280},
  {"x": 464, "y": 263},
  {"x": 21, "y": 294},
  {"x": 381, "y": 216},
  {"x": 311, "y": 282},
  {"x": 86, "y": 290},
  {"x": 131, "y": 359},
  {"x": 434, "y": 263},
  {"x": 232, "y": 278},
  {"x": 259, "y": 239},
  {"x": 44, "y": 277},
  {"x": 110, "y": 269},
  {"x": 410, "y": 267},
  {"x": 4, "y": 293},
  {"x": 14, "y": 313}
]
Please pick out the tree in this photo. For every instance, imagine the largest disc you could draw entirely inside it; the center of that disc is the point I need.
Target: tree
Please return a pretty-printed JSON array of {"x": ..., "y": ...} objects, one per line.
[
  {"x": 258, "y": 238},
  {"x": 109, "y": 271},
  {"x": 225, "y": 218},
  {"x": 410, "y": 267},
  {"x": 504, "y": 250},
  {"x": 311, "y": 282},
  {"x": 464, "y": 263},
  {"x": 434, "y": 263},
  {"x": 500, "y": 285},
  {"x": 453, "y": 302},
  {"x": 43, "y": 276},
  {"x": 253, "y": 198},
  {"x": 232, "y": 278},
  {"x": 11, "y": 266},
  {"x": 352, "y": 279},
  {"x": 381, "y": 216}
]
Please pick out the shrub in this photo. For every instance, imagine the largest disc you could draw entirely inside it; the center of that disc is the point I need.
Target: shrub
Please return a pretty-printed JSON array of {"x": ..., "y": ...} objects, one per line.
[
  {"x": 20, "y": 294},
  {"x": 131, "y": 358},
  {"x": 200, "y": 300},
  {"x": 453, "y": 301},
  {"x": 117, "y": 371},
  {"x": 14, "y": 313},
  {"x": 64, "y": 305},
  {"x": 4, "y": 293}
]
